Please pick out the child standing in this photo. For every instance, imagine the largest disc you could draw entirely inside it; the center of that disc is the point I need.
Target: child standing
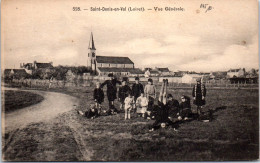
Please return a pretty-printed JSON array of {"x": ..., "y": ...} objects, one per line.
[
  {"x": 141, "y": 104},
  {"x": 128, "y": 105},
  {"x": 150, "y": 93},
  {"x": 123, "y": 91},
  {"x": 98, "y": 97},
  {"x": 137, "y": 89}
]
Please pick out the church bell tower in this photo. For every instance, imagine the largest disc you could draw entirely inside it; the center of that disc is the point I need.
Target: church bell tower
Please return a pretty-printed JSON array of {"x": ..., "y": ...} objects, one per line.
[{"x": 92, "y": 54}]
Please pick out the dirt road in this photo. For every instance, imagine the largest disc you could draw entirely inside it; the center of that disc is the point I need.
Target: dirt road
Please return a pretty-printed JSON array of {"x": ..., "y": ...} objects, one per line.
[
  {"x": 52, "y": 105},
  {"x": 47, "y": 129}
]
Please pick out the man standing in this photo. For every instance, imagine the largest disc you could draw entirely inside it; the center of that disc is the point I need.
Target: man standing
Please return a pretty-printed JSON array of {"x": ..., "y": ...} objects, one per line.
[
  {"x": 137, "y": 89},
  {"x": 111, "y": 91},
  {"x": 199, "y": 94}
]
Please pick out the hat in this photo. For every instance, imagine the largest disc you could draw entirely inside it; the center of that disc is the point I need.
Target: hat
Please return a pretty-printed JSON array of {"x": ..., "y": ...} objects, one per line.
[
  {"x": 125, "y": 79},
  {"x": 169, "y": 95},
  {"x": 150, "y": 80},
  {"x": 110, "y": 75},
  {"x": 198, "y": 79},
  {"x": 136, "y": 78}
]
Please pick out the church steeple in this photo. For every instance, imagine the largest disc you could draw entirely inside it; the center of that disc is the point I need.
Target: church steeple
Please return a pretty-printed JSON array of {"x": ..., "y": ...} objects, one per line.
[{"x": 91, "y": 45}]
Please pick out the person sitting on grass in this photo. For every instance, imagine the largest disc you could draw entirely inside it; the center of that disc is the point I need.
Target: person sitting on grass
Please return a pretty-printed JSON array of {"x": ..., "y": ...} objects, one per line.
[
  {"x": 128, "y": 105},
  {"x": 122, "y": 93},
  {"x": 185, "y": 108},
  {"x": 173, "y": 105},
  {"x": 91, "y": 113},
  {"x": 141, "y": 104},
  {"x": 162, "y": 114},
  {"x": 98, "y": 97}
]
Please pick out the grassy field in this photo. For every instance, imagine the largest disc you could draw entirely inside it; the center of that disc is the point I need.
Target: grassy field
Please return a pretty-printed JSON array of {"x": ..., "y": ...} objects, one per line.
[
  {"x": 19, "y": 99},
  {"x": 232, "y": 135}
]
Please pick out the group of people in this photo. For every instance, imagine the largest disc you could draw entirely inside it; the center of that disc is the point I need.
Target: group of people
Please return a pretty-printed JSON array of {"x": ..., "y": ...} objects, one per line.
[{"x": 141, "y": 100}]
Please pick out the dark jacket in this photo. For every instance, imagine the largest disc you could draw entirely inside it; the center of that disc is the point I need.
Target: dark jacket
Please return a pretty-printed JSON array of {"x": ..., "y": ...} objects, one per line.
[
  {"x": 137, "y": 89},
  {"x": 173, "y": 107},
  {"x": 123, "y": 91},
  {"x": 186, "y": 104},
  {"x": 198, "y": 91},
  {"x": 111, "y": 88},
  {"x": 90, "y": 113},
  {"x": 185, "y": 108},
  {"x": 98, "y": 95},
  {"x": 161, "y": 112}
]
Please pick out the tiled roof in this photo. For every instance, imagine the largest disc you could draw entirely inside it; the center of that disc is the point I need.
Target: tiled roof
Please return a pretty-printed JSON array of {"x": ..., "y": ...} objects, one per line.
[
  {"x": 19, "y": 71},
  {"x": 7, "y": 71},
  {"x": 163, "y": 69},
  {"x": 233, "y": 70},
  {"x": 131, "y": 70},
  {"x": 154, "y": 72},
  {"x": 219, "y": 74},
  {"x": 44, "y": 65},
  {"x": 114, "y": 60}
]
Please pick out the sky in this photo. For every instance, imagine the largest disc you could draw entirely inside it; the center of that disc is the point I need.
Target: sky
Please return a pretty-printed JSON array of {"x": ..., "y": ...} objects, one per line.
[{"x": 194, "y": 40}]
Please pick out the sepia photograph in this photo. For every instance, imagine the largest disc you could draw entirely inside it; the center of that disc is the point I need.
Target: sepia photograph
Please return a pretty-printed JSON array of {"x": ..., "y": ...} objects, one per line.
[{"x": 120, "y": 80}]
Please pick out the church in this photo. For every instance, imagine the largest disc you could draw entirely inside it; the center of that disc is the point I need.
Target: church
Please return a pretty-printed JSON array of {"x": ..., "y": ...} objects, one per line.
[{"x": 103, "y": 65}]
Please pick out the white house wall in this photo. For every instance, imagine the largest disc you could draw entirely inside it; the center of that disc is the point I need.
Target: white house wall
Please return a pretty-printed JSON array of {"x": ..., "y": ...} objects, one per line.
[
  {"x": 129, "y": 66},
  {"x": 120, "y": 65}
]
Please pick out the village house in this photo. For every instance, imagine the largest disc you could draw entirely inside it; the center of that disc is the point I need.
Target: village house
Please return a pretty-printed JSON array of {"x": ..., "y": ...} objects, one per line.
[
  {"x": 236, "y": 73},
  {"x": 103, "y": 65},
  {"x": 218, "y": 75},
  {"x": 190, "y": 78},
  {"x": 32, "y": 68},
  {"x": 15, "y": 74},
  {"x": 164, "y": 71},
  {"x": 180, "y": 73}
]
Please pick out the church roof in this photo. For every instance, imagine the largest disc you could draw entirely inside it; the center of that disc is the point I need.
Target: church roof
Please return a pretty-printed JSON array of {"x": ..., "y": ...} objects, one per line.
[
  {"x": 91, "y": 43},
  {"x": 114, "y": 60},
  {"x": 111, "y": 69}
]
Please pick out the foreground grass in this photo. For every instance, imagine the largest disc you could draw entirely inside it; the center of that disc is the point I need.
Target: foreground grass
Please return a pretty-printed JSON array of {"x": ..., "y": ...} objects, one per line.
[
  {"x": 232, "y": 135},
  {"x": 19, "y": 99}
]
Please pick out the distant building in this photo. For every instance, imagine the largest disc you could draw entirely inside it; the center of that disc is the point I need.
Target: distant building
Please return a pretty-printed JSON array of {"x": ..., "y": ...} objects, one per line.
[
  {"x": 180, "y": 73},
  {"x": 104, "y": 65},
  {"x": 154, "y": 73},
  {"x": 31, "y": 67},
  {"x": 164, "y": 71},
  {"x": 190, "y": 78},
  {"x": 15, "y": 74},
  {"x": 218, "y": 75},
  {"x": 38, "y": 65},
  {"x": 236, "y": 73},
  {"x": 147, "y": 73}
]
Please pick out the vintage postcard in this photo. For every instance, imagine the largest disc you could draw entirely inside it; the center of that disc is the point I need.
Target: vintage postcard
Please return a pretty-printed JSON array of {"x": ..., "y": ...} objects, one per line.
[{"x": 129, "y": 80}]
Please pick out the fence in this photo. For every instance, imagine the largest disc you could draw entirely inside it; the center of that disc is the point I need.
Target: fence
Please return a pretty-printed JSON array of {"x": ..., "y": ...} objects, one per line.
[{"x": 80, "y": 83}]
